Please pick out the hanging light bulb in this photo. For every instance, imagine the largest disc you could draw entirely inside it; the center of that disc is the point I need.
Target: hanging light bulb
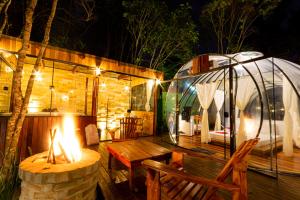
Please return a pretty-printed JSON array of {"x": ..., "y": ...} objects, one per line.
[
  {"x": 157, "y": 82},
  {"x": 52, "y": 88}
]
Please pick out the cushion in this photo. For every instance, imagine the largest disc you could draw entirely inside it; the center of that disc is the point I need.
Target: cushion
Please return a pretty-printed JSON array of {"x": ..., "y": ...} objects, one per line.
[{"x": 91, "y": 134}]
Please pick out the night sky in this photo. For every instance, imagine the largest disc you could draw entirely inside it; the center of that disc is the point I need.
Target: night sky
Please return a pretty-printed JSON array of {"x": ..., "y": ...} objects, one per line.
[{"x": 278, "y": 35}]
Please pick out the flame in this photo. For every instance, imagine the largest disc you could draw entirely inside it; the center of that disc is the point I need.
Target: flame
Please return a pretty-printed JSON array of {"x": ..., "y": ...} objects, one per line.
[{"x": 68, "y": 141}]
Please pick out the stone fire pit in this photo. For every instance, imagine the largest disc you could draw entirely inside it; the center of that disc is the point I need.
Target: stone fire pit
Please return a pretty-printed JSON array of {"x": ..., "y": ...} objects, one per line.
[{"x": 42, "y": 180}]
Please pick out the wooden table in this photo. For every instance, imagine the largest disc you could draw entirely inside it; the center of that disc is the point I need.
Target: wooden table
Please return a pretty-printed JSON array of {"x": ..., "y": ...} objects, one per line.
[{"x": 131, "y": 153}]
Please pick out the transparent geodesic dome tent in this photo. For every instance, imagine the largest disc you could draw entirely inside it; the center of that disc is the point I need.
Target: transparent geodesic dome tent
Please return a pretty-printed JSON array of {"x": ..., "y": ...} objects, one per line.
[{"x": 261, "y": 97}]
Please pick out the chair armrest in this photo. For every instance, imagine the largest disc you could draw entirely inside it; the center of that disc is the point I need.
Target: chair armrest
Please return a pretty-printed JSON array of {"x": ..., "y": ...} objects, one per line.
[
  {"x": 198, "y": 155},
  {"x": 160, "y": 167}
]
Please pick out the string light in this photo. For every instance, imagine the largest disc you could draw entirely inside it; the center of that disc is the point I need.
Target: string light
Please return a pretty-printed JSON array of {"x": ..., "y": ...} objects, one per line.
[
  {"x": 98, "y": 71},
  {"x": 157, "y": 82}
]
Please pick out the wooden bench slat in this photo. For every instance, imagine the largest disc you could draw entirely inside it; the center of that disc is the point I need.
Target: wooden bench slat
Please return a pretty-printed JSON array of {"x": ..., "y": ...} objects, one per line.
[
  {"x": 178, "y": 184},
  {"x": 179, "y": 187},
  {"x": 165, "y": 179},
  {"x": 185, "y": 191},
  {"x": 201, "y": 193},
  {"x": 167, "y": 187},
  {"x": 194, "y": 191}
]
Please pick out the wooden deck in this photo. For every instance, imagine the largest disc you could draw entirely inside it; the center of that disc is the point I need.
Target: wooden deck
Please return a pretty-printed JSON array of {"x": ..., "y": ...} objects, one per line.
[
  {"x": 114, "y": 185},
  {"x": 285, "y": 164}
]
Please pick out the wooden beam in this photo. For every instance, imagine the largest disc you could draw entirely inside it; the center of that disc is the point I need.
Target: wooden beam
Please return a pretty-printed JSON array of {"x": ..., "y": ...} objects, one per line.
[
  {"x": 86, "y": 95},
  {"x": 12, "y": 45},
  {"x": 95, "y": 96}
]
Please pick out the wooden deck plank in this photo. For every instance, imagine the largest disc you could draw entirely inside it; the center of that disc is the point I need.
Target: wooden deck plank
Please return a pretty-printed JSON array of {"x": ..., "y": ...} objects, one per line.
[{"x": 260, "y": 186}]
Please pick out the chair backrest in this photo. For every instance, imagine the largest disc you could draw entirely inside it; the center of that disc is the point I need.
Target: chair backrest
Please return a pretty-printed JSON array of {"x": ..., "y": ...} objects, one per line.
[
  {"x": 128, "y": 126},
  {"x": 240, "y": 156},
  {"x": 91, "y": 134},
  {"x": 237, "y": 166}
]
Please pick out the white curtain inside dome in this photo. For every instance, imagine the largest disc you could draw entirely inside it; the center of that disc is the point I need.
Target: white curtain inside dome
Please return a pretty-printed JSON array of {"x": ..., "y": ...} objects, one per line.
[
  {"x": 205, "y": 93},
  {"x": 296, "y": 117},
  {"x": 287, "y": 93},
  {"x": 244, "y": 91},
  {"x": 219, "y": 101}
]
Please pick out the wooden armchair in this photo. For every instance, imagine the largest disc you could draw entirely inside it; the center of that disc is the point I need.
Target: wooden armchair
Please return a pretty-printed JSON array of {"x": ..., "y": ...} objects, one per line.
[
  {"x": 172, "y": 182},
  {"x": 128, "y": 127}
]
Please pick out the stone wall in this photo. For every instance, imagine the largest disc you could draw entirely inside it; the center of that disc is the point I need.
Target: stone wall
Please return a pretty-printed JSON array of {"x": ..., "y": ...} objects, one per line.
[
  {"x": 5, "y": 86},
  {"x": 113, "y": 101},
  {"x": 42, "y": 180},
  {"x": 68, "y": 94}
]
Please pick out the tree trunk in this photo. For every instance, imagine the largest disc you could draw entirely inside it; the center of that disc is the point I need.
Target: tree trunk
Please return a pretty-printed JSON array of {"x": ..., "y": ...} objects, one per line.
[
  {"x": 16, "y": 89},
  {"x": 33, "y": 74},
  {"x": 19, "y": 110}
]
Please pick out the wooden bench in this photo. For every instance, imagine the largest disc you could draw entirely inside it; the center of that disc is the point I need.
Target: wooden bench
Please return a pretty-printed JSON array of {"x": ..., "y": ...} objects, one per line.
[{"x": 172, "y": 182}]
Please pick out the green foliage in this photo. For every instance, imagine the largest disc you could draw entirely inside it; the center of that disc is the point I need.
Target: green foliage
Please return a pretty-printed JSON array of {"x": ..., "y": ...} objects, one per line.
[
  {"x": 232, "y": 20},
  {"x": 158, "y": 34}
]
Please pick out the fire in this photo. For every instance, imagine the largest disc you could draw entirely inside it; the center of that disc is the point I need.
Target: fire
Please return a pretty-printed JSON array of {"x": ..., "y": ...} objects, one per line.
[{"x": 66, "y": 143}]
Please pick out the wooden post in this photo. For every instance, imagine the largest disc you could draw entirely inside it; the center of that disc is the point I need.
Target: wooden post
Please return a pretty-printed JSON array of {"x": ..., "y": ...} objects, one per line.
[
  {"x": 86, "y": 95},
  {"x": 177, "y": 158},
  {"x": 239, "y": 177},
  {"x": 155, "y": 88},
  {"x": 231, "y": 112},
  {"x": 153, "y": 185},
  {"x": 95, "y": 97}
]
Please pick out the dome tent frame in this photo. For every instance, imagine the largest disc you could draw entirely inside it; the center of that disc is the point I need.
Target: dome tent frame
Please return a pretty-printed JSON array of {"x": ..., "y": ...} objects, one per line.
[{"x": 231, "y": 69}]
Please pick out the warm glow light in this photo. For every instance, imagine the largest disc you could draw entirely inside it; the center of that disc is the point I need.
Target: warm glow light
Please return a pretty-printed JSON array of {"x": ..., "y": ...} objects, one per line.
[
  {"x": 102, "y": 126},
  {"x": 52, "y": 88},
  {"x": 113, "y": 125},
  {"x": 126, "y": 88},
  {"x": 157, "y": 82},
  {"x": 103, "y": 85},
  {"x": 98, "y": 71},
  {"x": 8, "y": 69},
  {"x": 38, "y": 76},
  {"x": 65, "y": 97},
  {"x": 151, "y": 83},
  {"x": 68, "y": 141},
  {"x": 249, "y": 126},
  {"x": 33, "y": 106}
]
